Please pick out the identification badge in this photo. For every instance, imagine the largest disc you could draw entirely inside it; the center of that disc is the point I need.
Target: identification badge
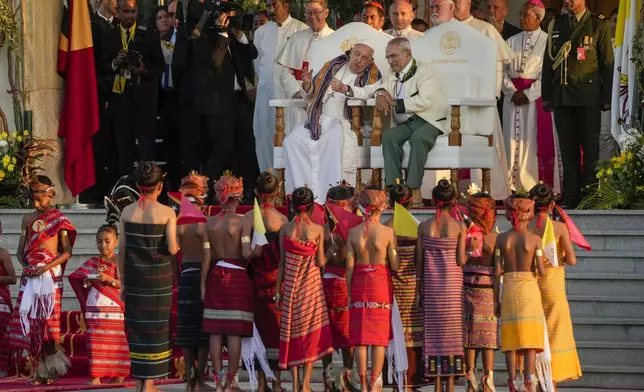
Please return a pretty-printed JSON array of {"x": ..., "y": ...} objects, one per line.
[
  {"x": 127, "y": 74},
  {"x": 581, "y": 54}
]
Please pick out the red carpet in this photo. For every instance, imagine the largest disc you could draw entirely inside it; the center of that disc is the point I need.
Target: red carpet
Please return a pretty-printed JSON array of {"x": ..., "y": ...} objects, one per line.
[{"x": 68, "y": 384}]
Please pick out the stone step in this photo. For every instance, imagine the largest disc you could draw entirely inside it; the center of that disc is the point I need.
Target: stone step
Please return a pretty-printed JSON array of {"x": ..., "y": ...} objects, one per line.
[
  {"x": 617, "y": 261},
  {"x": 606, "y": 307},
  {"x": 604, "y": 284},
  {"x": 592, "y": 329},
  {"x": 596, "y": 353},
  {"x": 615, "y": 239}
]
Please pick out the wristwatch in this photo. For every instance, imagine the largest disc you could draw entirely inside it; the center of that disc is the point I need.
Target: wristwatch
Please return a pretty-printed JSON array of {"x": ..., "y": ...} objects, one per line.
[{"x": 349, "y": 92}]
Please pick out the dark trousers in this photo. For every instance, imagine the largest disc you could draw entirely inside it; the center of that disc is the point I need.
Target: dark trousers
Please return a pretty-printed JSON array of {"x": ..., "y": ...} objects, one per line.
[
  {"x": 169, "y": 130},
  {"x": 133, "y": 127},
  {"x": 232, "y": 145},
  {"x": 578, "y": 128}
]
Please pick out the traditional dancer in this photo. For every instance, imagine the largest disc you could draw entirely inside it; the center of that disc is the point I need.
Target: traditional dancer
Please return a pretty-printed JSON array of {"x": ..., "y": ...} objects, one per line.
[
  {"x": 404, "y": 281},
  {"x": 229, "y": 296},
  {"x": 97, "y": 285},
  {"x": 263, "y": 273},
  {"x": 305, "y": 334},
  {"x": 46, "y": 240},
  {"x": 7, "y": 277},
  {"x": 371, "y": 258},
  {"x": 518, "y": 254},
  {"x": 440, "y": 252},
  {"x": 148, "y": 240},
  {"x": 335, "y": 289},
  {"x": 565, "y": 361},
  {"x": 195, "y": 250},
  {"x": 480, "y": 324}
]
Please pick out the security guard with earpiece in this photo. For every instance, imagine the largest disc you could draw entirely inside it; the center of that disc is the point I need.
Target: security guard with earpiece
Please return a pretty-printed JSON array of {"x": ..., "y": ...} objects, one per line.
[{"x": 577, "y": 80}]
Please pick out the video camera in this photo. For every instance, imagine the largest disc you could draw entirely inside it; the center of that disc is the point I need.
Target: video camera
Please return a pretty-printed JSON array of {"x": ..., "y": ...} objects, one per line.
[{"x": 203, "y": 15}]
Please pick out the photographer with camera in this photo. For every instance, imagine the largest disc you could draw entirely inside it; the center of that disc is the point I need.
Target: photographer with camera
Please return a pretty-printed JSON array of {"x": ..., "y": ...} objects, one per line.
[
  {"x": 222, "y": 57},
  {"x": 132, "y": 61}
]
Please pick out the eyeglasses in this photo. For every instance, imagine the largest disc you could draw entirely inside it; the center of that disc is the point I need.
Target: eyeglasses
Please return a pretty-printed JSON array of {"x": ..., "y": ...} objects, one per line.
[
  {"x": 314, "y": 13},
  {"x": 394, "y": 56}
]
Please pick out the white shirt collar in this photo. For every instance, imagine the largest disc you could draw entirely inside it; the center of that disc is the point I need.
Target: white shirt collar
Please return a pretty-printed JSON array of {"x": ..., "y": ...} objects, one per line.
[
  {"x": 317, "y": 35},
  {"x": 401, "y": 32},
  {"x": 468, "y": 20},
  {"x": 406, "y": 69},
  {"x": 286, "y": 21},
  {"x": 110, "y": 19}
]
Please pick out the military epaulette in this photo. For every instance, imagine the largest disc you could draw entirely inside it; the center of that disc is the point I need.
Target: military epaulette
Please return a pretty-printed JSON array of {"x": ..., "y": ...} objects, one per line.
[{"x": 599, "y": 16}]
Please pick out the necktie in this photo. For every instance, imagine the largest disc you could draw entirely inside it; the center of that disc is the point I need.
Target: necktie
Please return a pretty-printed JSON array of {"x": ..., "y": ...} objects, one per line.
[
  {"x": 127, "y": 38},
  {"x": 573, "y": 22}
]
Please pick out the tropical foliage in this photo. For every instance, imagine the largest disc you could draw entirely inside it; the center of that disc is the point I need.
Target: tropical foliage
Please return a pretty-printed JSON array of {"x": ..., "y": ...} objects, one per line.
[{"x": 620, "y": 179}]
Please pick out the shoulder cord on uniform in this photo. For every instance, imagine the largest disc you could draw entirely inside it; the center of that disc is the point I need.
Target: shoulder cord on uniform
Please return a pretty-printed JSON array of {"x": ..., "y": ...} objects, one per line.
[{"x": 562, "y": 55}]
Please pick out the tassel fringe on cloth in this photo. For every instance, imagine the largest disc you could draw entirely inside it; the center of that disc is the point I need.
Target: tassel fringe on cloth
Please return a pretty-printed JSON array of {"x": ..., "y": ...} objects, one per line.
[{"x": 253, "y": 347}]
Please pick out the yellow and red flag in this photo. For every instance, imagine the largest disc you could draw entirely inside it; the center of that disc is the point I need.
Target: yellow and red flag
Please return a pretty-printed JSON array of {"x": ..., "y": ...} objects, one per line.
[
  {"x": 79, "y": 115},
  {"x": 343, "y": 220}
]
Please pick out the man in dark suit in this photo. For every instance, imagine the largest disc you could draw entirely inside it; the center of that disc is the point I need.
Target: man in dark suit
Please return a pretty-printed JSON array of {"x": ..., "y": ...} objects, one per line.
[
  {"x": 102, "y": 21},
  {"x": 577, "y": 83},
  {"x": 222, "y": 55},
  {"x": 132, "y": 61}
]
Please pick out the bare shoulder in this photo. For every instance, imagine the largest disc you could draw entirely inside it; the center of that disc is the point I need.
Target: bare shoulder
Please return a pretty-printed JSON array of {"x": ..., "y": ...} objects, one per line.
[
  {"x": 127, "y": 211},
  {"x": 4, "y": 254},
  {"x": 389, "y": 222}
]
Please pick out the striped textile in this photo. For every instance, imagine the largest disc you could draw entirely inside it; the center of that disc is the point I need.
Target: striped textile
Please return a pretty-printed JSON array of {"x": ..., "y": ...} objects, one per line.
[
  {"x": 263, "y": 273},
  {"x": 480, "y": 325},
  {"x": 337, "y": 301},
  {"x": 17, "y": 340},
  {"x": 6, "y": 308},
  {"x": 148, "y": 299},
  {"x": 372, "y": 296},
  {"x": 443, "y": 306},
  {"x": 565, "y": 361},
  {"x": 107, "y": 348},
  {"x": 522, "y": 318},
  {"x": 229, "y": 301},
  {"x": 190, "y": 308},
  {"x": 305, "y": 334},
  {"x": 413, "y": 319}
]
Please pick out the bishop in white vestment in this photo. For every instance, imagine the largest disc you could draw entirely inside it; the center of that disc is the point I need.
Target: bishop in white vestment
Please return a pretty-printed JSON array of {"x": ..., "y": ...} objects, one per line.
[
  {"x": 530, "y": 135},
  {"x": 323, "y": 151},
  {"x": 269, "y": 41}
]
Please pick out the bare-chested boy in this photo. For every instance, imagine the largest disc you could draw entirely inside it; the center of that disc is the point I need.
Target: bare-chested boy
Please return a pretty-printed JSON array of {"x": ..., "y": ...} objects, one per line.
[
  {"x": 46, "y": 240},
  {"x": 195, "y": 251},
  {"x": 371, "y": 257},
  {"x": 227, "y": 290},
  {"x": 518, "y": 258}
]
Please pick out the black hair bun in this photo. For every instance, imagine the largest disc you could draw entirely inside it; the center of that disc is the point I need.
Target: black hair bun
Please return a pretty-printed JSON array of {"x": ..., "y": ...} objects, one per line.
[
  {"x": 148, "y": 174},
  {"x": 266, "y": 183},
  {"x": 542, "y": 194},
  {"x": 444, "y": 191},
  {"x": 302, "y": 197},
  {"x": 401, "y": 194}
]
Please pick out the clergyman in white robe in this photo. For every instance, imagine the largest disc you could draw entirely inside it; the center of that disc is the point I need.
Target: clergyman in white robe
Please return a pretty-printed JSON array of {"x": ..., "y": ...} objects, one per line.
[
  {"x": 334, "y": 156},
  {"x": 294, "y": 60},
  {"x": 530, "y": 134},
  {"x": 269, "y": 41}
]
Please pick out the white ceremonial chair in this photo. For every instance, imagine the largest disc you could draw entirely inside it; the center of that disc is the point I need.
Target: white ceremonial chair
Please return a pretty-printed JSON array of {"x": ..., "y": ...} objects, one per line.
[
  {"x": 320, "y": 52},
  {"x": 466, "y": 65}
]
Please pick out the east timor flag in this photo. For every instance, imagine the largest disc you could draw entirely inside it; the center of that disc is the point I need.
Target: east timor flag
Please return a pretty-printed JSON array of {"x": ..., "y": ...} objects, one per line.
[{"x": 79, "y": 115}]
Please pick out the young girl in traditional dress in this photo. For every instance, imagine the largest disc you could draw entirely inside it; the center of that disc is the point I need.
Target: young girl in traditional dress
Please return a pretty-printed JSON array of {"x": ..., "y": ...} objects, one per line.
[
  {"x": 404, "y": 281},
  {"x": 518, "y": 257},
  {"x": 305, "y": 334},
  {"x": 480, "y": 324},
  {"x": 97, "y": 283},
  {"x": 440, "y": 253},
  {"x": 7, "y": 277},
  {"x": 565, "y": 361},
  {"x": 263, "y": 273}
]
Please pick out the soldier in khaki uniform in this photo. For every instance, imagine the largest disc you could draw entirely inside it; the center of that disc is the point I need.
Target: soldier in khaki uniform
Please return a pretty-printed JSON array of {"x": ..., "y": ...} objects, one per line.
[{"x": 576, "y": 83}]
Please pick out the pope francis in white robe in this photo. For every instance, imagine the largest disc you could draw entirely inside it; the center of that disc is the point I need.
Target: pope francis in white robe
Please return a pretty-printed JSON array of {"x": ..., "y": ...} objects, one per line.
[
  {"x": 269, "y": 41},
  {"x": 530, "y": 135},
  {"x": 294, "y": 59},
  {"x": 323, "y": 150}
]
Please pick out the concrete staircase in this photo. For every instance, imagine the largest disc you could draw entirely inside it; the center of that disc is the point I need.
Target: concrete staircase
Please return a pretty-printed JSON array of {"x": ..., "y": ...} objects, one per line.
[{"x": 605, "y": 290}]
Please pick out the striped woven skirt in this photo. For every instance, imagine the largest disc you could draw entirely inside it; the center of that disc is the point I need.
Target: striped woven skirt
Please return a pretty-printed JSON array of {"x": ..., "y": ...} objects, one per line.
[
  {"x": 148, "y": 300},
  {"x": 443, "y": 306},
  {"x": 404, "y": 282},
  {"x": 522, "y": 318},
  {"x": 372, "y": 296},
  {"x": 5, "y": 316},
  {"x": 480, "y": 325},
  {"x": 229, "y": 302},
  {"x": 337, "y": 301},
  {"x": 267, "y": 317},
  {"x": 565, "y": 361},
  {"x": 107, "y": 348},
  {"x": 190, "y": 308}
]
